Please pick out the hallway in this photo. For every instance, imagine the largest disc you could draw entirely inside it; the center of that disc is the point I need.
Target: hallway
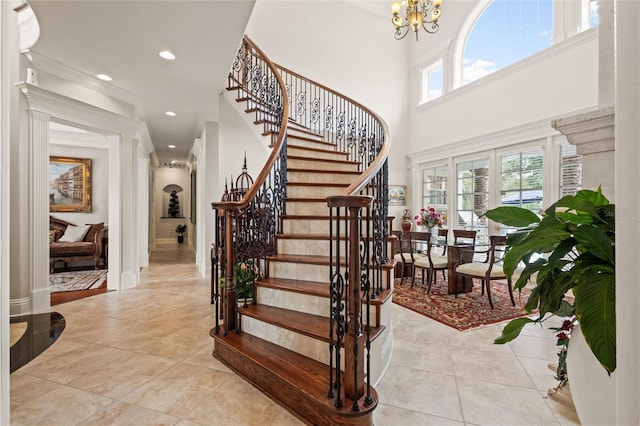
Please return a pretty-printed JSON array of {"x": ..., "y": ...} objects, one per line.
[{"x": 143, "y": 356}]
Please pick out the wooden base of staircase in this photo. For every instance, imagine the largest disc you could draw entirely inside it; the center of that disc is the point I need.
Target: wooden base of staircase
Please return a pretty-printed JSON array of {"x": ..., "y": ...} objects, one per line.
[{"x": 298, "y": 383}]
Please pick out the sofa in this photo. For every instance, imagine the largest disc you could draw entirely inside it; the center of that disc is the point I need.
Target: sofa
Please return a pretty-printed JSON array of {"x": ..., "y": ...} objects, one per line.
[{"x": 73, "y": 243}]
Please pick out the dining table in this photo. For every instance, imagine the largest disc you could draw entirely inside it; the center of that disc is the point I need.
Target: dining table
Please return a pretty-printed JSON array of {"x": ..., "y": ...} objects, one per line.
[{"x": 458, "y": 254}]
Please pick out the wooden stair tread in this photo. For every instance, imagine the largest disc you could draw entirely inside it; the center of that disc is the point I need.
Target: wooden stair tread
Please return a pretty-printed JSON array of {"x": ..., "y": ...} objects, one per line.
[
  {"x": 300, "y": 258},
  {"x": 310, "y": 325},
  {"x": 313, "y": 288},
  {"x": 312, "y": 149},
  {"x": 316, "y": 171},
  {"x": 299, "y": 382},
  {"x": 333, "y": 185}
]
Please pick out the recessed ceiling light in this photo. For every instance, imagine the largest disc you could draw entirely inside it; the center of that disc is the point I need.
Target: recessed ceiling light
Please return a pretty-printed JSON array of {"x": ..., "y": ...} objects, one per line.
[
  {"x": 171, "y": 146},
  {"x": 104, "y": 77},
  {"x": 167, "y": 54},
  {"x": 170, "y": 113}
]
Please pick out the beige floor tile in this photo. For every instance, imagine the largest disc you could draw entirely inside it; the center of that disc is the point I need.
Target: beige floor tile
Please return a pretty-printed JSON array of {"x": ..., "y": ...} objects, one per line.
[
  {"x": 237, "y": 403},
  {"x": 535, "y": 347},
  {"x": 204, "y": 358},
  {"x": 62, "y": 406},
  {"x": 493, "y": 368},
  {"x": 540, "y": 373},
  {"x": 493, "y": 404},
  {"x": 179, "y": 390},
  {"x": 386, "y": 415},
  {"x": 25, "y": 388},
  {"x": 422, "y": 391},
  {"x": 120, "y": 413}
]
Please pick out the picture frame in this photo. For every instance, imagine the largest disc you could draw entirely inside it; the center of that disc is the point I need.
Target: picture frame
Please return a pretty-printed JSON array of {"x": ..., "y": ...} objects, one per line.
[
  {"x": 69, "y": 184},
  {"x": 398, "y": 195}
]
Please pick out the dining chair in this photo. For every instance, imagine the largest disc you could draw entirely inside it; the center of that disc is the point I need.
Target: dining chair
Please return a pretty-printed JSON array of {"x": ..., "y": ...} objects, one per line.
[
  {"x": 463, "y": 236},
  {"x": 402, "y": 252},
  {"x": 426, "y": 260},
  {"x": 490, "y": 268}
]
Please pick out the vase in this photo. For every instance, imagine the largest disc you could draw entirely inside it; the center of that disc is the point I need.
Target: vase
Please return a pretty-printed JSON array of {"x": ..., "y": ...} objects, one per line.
[
  {"x": 406, "y": 221},
  {"x": 433, "y": 230},
  {"x": 593, "y": 391}
]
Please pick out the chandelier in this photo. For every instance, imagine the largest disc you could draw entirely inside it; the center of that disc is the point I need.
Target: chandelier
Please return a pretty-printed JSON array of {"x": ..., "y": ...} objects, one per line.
[{"x": 419, "y": 13}]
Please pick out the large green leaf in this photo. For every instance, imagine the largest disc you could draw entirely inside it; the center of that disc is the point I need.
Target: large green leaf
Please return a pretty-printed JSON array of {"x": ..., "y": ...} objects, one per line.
[
  {"x": 512, "y": 216},
  {"x": 512, "y": 330},
  {"x": 596, "y": 241},
  {"x": 596, "y": 311}
]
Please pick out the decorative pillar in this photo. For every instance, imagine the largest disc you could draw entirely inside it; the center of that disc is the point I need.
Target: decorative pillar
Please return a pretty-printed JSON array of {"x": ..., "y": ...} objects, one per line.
[
  {"x": 627, "y": 174},
  {"x": 39, "y": 211},
  {"x": 593, "y": 134}
]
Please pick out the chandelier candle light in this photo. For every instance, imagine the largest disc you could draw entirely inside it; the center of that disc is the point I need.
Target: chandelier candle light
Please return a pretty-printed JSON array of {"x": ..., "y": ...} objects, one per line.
[{"x": 419, "y": 13}]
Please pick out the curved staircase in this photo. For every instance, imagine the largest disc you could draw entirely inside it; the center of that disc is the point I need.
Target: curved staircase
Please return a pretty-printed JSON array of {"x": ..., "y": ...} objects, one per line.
[{"x": 314, "y": 337}]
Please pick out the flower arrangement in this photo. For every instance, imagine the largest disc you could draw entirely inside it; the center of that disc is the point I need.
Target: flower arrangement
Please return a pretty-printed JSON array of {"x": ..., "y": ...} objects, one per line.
[{"x": 428, "y": 217}]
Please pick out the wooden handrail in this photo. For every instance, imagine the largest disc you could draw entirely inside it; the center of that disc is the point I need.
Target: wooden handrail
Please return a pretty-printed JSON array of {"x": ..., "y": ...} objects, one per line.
[
  {"x": 277, "y": 147},
  {"x": 377, "y": 164}
]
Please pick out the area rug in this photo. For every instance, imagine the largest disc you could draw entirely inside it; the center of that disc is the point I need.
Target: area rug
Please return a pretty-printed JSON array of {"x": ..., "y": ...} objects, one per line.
[
  {"x": 76, "y": 280},
  {"x": 468, "y": 310}
]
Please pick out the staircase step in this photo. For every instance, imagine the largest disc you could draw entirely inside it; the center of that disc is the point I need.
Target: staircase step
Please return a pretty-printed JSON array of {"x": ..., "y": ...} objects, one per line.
[
  {"x": 310, "y": 141},
  {"x": 314, "y": 190},
  {"x": 294, "y": 162},
  {"x": 293, "y": 380},
  {"x": 297, "y": 151},
  {"x": 321, "y": 176}
]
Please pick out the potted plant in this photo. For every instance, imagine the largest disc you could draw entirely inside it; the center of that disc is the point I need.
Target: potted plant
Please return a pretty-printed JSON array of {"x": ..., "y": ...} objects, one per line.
[
  {"x": 244, "y": 275},
  {"x": 180, "y": 230},
  {"x": 570, "y": 249}
]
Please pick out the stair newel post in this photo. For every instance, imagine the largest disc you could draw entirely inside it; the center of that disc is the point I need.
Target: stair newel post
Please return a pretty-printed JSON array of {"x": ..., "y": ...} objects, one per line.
[
  {"x": 354, "y": 338},
  {"x": 229, "y": 301}
]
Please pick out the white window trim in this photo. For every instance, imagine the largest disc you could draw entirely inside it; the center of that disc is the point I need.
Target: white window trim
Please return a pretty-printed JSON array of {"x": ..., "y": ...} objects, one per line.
[{"x": 425, "y": 82}]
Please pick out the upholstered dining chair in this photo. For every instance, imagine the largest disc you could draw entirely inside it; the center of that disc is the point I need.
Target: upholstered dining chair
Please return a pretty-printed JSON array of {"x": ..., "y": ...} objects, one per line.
[
  {"x": 403, "y": 253},
  {"x": 426, "y": 260},
  {"x": 490, "y": 269}
]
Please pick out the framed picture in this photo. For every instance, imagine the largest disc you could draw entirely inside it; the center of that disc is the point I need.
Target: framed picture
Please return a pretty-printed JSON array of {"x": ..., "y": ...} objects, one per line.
[
  {"x": 398, "y": 195},
  {"x": 69, "y": 184}
]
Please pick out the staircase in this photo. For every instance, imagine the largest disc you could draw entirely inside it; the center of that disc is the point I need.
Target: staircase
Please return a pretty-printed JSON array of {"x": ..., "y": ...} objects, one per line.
[{"x": 313, "y": 337}]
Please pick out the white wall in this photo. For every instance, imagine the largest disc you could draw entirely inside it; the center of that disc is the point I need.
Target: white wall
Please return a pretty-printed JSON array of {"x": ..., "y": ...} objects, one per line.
[
  {"x": 553, "y": 83},
  {"x": 165, "y": 226}
]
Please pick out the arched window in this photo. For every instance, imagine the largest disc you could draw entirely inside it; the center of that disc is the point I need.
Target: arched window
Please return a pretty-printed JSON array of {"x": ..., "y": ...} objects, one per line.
[{"x": 506, "y": 32}]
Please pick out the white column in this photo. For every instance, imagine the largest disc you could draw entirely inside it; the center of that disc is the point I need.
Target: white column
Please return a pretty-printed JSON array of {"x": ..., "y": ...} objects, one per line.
[
  {"x": 129, "y": 212},
  {"x": 143, "y": 209},
  {"x": 627, "y": 173},
  {"x": 39, "y": 211},
  {"x": 115, "y": 178}
]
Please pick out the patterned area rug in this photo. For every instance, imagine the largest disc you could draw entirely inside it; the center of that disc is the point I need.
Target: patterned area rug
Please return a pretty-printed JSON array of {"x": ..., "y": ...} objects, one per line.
[
  {"x": 468, "y": 310},
  {"x": 77, "y": 280}
]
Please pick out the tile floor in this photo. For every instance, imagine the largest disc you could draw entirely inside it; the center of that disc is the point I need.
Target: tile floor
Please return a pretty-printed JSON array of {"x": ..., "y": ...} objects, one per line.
[{"x": 143, "y": 356}]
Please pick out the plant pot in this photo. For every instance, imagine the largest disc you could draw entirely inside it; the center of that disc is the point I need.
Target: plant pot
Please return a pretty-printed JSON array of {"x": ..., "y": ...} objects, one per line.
[
  {"x": 593, "y": 391},
  {"x": 180, "y": 239}
]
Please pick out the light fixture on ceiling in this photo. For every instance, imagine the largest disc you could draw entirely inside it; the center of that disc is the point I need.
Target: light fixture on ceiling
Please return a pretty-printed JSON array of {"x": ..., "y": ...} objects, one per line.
[
  {"x": 418, "y": 13},
  {"x": 104, "y": 77},
  {"x": 167, "y": 54},
  {"x": 170, "y": 113},
  {"x": 171, "y": 146}
]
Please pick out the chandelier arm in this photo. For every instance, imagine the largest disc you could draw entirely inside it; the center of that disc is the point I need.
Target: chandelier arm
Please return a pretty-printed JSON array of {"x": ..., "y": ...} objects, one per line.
[
  {"x": 399, "y": 35},
  {"x": 434, "y": 27}
]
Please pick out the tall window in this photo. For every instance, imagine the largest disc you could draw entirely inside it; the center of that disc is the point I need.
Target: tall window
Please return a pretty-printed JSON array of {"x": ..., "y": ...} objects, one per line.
[
  {"x": 521, "y": 175},
  {"x": 432, "y": 82},
  {"x": 473, "y": 196},
  {"x": 570, "y": 170},
  {"x": 507, "y": 31},
  {"x": 434, "y": 189}
]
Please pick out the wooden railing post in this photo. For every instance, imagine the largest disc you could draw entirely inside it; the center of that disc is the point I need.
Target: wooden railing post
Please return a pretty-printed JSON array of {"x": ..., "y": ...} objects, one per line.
[
  {"x": 355, "y": 339},
  {"x": 229, "y": 301}
]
